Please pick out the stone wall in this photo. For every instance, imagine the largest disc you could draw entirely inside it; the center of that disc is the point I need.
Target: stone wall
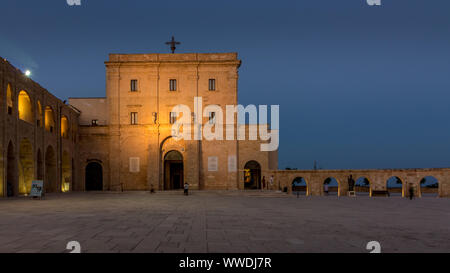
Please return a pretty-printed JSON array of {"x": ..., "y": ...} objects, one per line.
[
  {"x": 378, "y": 179},
  {"x": 32, "y": 148}
]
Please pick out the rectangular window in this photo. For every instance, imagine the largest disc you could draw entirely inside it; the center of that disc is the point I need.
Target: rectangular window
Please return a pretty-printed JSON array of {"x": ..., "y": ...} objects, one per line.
[
  {"x": 173, "y": 85},
  {"x": 173, "y": 117},
  {"x": 9, "y": 110},
  {"x": 134, "y": 118},
  {"x": 212, "y": 117},
  {"x": 212, "y": 84},
  {"x": 94, "y": 122},
  {"x": 134, "y": 86}
]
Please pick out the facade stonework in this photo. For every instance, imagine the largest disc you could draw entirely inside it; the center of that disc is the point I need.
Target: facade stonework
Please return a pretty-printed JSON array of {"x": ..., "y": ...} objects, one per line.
[
  {"x": 145, "y": 88},
  {"x": 124, "y": 141},
  {"x": 38, "y": 136}
]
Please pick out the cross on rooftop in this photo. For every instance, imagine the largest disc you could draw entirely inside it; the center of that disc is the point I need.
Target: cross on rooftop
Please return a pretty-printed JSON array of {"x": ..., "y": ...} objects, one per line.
[{"x": 173, "y": 44}]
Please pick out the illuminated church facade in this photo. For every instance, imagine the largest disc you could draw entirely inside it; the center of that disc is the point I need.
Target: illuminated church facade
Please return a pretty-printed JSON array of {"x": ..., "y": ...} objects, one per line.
[
  {"x": 124, "y": 141},
  {"x": 126, "y": 138}
]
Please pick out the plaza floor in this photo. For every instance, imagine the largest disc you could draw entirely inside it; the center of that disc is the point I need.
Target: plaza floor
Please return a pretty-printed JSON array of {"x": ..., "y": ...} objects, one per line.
[{"x": 214, "y": 221}]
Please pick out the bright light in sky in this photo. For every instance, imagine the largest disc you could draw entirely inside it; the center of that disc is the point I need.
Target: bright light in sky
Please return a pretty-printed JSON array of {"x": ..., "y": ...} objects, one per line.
[{"x": 27, "y": 73}]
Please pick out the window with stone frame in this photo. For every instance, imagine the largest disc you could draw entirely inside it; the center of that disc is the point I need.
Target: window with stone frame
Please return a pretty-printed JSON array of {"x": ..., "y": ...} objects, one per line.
[
  {"x": 212, "y": 85},
  {"x": 173, "y": 85},
  {"x": 134, "y": 118},
  {"x": 134, "y": 85}
]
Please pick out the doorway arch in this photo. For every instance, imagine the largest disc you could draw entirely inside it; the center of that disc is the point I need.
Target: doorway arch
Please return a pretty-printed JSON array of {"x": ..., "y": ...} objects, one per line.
[
  {"x": 173, "y": 171},
  {"x": 40, "y": 166},
  {"x": 94, "y": 177},
  {"x": 66, "y": 171},
  {"x": 11, "y": 172},
  {"x": 363, "y": 186},
  {"x": 333, "y": 186},
  {"x": 252, "y": 175},
  {"x": 429, "y": 187},
  {"x": 300, "y": 186},
  {"x": 395, "y": 186},
  {"x": 50, "y": 170},
  {"x": 26, "y": 166}
]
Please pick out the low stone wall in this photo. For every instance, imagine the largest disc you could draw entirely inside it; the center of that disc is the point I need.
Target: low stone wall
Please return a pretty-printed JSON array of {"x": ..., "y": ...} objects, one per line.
[{"x": 377, "y": 178}]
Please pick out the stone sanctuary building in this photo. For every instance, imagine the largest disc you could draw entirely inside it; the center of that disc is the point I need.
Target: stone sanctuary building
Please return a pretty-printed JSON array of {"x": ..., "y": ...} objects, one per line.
[
  {"x": 124, "y": 141},
  {"x": 126, "y": 137}
]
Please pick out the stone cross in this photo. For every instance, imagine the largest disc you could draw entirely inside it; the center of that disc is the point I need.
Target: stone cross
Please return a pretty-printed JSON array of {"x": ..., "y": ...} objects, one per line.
[{"x": 173, "y": 44}]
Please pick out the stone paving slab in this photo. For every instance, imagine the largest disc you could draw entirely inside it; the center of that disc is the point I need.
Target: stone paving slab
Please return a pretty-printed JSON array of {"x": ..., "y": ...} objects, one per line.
[{"x": 221, "y": 221}]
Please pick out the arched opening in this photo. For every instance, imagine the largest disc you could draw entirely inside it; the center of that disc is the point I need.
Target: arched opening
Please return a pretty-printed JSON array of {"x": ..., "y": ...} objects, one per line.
[
  {"x": 40, "y": 166},
  {"x": 429, "y": 187},
  {"x": 173, "y": 171},
  {"x": 331, "y": 186},
  {"x": 94, "y": 177},
  {"x": 73, "y": 173},
  {"x": 64, "y": 127},
  {"x": 9, "y": 101},
  {"x": 39, "y": 114},
  {"x": 49, "y": 119},
  {"x": 300, "y": 186},
  {"x": 395, "y": 186},
  {"x": 66, "y": 168},
  {"x": 26, "y": 167},
  {"x": 50, "y": 170},
  {"x": 11, "y": 173},
  {"x": 252, "y": 175},
  {"x": 25, "y": 108},
  {"x": 362, "y": 186}
]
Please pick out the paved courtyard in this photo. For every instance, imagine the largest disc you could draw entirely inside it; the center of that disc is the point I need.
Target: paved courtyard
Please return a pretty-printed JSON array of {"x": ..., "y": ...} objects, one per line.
[{"x": 222, "y": 222}]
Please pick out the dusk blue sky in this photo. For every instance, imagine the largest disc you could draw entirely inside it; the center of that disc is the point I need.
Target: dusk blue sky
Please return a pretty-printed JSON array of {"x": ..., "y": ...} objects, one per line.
[{"x": 358, "y": 86}]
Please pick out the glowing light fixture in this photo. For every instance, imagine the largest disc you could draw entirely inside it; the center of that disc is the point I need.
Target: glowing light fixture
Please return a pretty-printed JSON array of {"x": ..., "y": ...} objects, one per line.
[{"x": 27, "y": 73}]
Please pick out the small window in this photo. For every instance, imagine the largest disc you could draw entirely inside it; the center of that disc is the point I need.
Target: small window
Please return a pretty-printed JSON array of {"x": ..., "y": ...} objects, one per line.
[
  {"x": 134, "y": 118},
  {"x": 212, "y": 117},
  {"x": 134, "y": 85},
  {"x": 212, "y": 84},
  {"x": 173, "y": 117},
  {"x": 173, "y": 85},
  {"x": 94, "y": 122}
]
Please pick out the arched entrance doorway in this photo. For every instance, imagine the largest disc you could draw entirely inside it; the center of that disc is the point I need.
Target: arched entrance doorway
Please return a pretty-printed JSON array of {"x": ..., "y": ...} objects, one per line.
[
  {"x": 362, "y": 186},
  {"x": 50, "y": 170},
  {"x": 40, "y": 166},
  {"x": 73, "y": 173},
  {"x": 299, "y": 186},
  {"x": 429, "y": 187},
  {"x": 332, "y": 185},
  {"x": 252, "y": 176},
  {"x": 11, "y": 173},
  {"x": 173, "y": 171},
  {"x": 94, "y": 177},
  {"x": 395, "y": 186},
  {"x": 66, "y": 172},
  {"x": 26, "y": 166}
]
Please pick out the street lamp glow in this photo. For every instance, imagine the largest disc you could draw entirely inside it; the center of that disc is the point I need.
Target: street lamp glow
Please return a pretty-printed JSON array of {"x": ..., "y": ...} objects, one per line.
[{"x": 27, "y": 73}]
